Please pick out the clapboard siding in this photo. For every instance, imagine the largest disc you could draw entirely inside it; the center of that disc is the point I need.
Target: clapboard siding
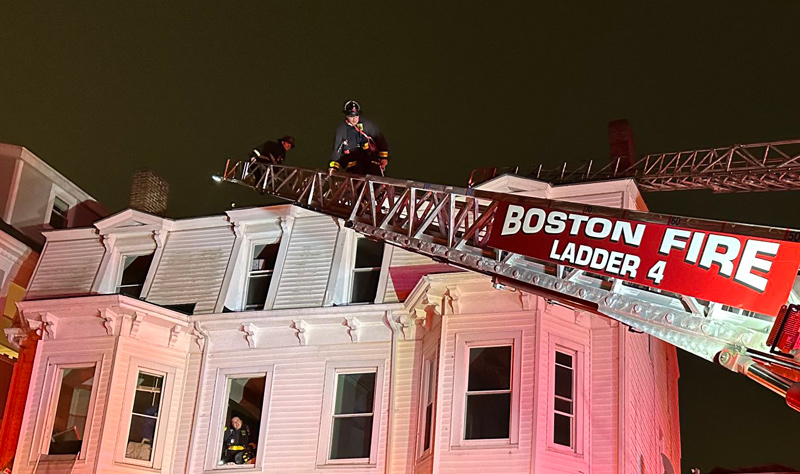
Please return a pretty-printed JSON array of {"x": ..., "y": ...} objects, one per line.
[
  {"x": 187, "y": 408},
  {"x": 604, "y": 393},
  {"x": 295, "y": 406},
  {"x": 192, "y": 268},
  {"x": 89, "y": 350},
  {"x": 482, "y": 460},
  {"x": 405, "y": 411},
  {"x": 307, "y": 266},
  {"x": 610, "y": 199},
  {"x": 67, "y": 268}
]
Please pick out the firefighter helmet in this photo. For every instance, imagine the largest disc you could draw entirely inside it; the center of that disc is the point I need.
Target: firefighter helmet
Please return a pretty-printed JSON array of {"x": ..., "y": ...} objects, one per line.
[
  {"x": 287, "y": 139},
  {"x": 351, "y": 108}
]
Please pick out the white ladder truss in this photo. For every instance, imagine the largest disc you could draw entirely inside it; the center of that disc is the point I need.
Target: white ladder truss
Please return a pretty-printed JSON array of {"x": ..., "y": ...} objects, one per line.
[{"x": 452, "y": 225}]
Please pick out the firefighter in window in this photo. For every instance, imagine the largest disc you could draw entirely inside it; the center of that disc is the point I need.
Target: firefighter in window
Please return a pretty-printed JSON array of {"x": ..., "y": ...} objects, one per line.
[
  {"x": 236, "y": 444},
  {"x": 358, "y": 147}
]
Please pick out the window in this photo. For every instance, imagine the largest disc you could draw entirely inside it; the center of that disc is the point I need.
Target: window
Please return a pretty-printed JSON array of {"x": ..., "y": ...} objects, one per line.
[
  {"x": 58, "y": 213},
  {"x": 134, "y": 274},
  {"x": 366, "y": 271},
  {"x": 564, "y": 399},
  {"x": 144, "y": 416},
  {"x": 262, "y": 266},
  {"x": 488, "y": 397},
  {"x": 486, "y": 389},
  {"x": 71, "y": 410},
  {"x": 353, "y": 415},
  {"x": 243, "y": 419},
  {"x": 352, "y": 403},
  {"x": 427, "y": 405}
]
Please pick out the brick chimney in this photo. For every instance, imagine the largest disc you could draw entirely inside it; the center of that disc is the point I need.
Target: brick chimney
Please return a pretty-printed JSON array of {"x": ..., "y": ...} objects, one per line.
[
  {"x": 620, "y": 138},
  {"x": 149, "y": 192}
]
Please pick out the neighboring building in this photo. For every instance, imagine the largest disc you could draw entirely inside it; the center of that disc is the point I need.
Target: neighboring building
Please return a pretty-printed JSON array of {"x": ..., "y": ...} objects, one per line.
[
  {"x": 277, "y": 338},
  {"x": 33, "y": 198}
]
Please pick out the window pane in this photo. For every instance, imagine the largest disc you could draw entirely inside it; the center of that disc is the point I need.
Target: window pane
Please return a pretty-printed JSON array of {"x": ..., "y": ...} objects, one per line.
[
  {"x": 489, "y": 368},
  {"x": 563, "y": 359},
  {"x": 428, "y": 427},
  {"x": 72, "y": 408},
  {"x": 134, "y": 273},
  {"x": 564, "y": 406},
  {"x": 488, "y": 416},
  {"x": 264, "y": 256},
  {"x": 563, "y": 382},
  {"x": 144, "y": 416},
  {"x": 58, "y": 215},
  {"x": 369, "y": 254},
  {"x": 354, "y": 393},
  {"x": 257, "y": 289},
  {"x": 562, "y": 430},
  {"x": 243, "y": 420},
  {"x": 351, "y": 437},
  {"x": 365, "y": 286}
]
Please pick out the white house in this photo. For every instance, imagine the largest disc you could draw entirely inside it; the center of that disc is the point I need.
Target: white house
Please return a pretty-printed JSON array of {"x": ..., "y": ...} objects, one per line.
[{"x": 277, "y": 340}]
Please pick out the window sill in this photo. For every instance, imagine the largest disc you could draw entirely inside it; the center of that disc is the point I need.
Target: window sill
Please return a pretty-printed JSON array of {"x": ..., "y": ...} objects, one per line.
[
  {"x": 563, "y": 451},
  {"x": 485, "y": 444},
  {"x": 348, "y": 464},
  {"x": 230, "y": 467},
  {"x": 54, "y": 458}
]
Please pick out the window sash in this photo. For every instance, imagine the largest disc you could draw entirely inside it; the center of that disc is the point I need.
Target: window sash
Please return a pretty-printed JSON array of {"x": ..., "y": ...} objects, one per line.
[
  {"x": 558, "y": 435},
  {"x": 160, "y": 407}
]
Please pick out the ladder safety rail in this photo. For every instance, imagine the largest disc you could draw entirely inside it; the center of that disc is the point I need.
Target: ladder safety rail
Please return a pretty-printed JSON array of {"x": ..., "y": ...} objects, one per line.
[
  {"x": 772, "y": 166},
  {"x": 455, "y": 225}
]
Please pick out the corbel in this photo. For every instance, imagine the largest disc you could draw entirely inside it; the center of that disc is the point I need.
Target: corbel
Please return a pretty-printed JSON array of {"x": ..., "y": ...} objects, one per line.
[
  {"x": 300, "y": 328},
  {"x": 352, "y": 325},
  {"x": 407, "y": 325},
  {"x": 198, "y": 336},
  {"x": 48, "y": 326},
  {"x": 249, "y": 330},
  {"x": 160, "y": 238},
  {"x": 136, "y": 322},
  {"x": 173, "y": 335},
  {"x": 109, "y": 320}
]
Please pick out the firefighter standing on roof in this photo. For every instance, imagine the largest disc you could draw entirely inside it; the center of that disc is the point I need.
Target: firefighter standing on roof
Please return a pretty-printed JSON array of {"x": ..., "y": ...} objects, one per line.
[{"x": 359, "y": 147}]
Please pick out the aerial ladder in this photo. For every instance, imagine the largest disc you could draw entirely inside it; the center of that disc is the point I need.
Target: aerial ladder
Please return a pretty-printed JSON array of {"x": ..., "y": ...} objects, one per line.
[{"x": 722, "y": 291}]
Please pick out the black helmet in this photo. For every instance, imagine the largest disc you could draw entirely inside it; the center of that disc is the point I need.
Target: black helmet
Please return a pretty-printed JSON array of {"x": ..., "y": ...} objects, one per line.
[
  {"x": 287, "y": 139},
  {"x": 351, "y": 108}
]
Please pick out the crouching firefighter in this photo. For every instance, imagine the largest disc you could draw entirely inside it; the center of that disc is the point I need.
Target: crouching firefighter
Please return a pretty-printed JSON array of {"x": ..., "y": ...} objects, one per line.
[
  {"x": 359, "y": 147},
  {"x": 236, "y": 443}
]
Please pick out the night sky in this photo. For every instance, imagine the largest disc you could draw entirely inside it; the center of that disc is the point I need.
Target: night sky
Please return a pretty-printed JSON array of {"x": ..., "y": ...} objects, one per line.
[{"x": 100, "y": 89}]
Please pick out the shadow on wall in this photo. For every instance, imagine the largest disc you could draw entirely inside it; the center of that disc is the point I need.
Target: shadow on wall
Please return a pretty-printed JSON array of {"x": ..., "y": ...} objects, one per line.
[{"x": 83, "y": 214}]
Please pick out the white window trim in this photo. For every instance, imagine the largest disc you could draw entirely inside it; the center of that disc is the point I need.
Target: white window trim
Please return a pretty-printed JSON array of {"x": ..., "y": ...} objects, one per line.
[
  {"x": 136, "y": 366},
  {"x": 48, "y": 404},
  {"x": 579, "y": 370},
  {"x": 120, "y": 270},
  {"x": 110, "y": 274},
  {"x": 464, "y": 342},
  {"x": 219, "y": 408},
  {"x": 351, "y": 267},
  {"x": 332, "y": 370},
  {"x": 69, "y": 200},
  {"x": 251, "y": 244},
  {"x": 430, "y": 359}
]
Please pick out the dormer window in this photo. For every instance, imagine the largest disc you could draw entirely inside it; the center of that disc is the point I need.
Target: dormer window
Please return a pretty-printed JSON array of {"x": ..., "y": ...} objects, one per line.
[
  {"x": 134, "y": 274},
  {"x": 58, "y": 214},
  {"x": 366, "y": 271},
  {"x": 262, "y": 266}
]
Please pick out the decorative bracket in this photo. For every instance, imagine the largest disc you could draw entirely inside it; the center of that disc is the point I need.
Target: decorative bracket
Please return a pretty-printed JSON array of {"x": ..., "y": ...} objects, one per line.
[
  {"x": 249, "y": 330},
  {"x": 136, "y": 322},
  {"x": 198, "y": 336},
  {"x": 352, "y": 325},
  {"x": 173, "y": 335},
  {"x": 109, "y": 320},
  {"x": 300, "y": 328}
]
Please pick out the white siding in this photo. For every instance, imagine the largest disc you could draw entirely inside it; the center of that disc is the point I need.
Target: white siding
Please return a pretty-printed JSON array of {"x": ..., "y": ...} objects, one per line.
[
  {"x": 307, "y": 266},
  {"x": 406, "y": 406},
  {"x": 405, "y": 270},
  {"x": 294, "y": 414},
  {"x": 604, "y": 393},
  {"x": 67, "y": 268},
  {"x": 192, "y": 268}
]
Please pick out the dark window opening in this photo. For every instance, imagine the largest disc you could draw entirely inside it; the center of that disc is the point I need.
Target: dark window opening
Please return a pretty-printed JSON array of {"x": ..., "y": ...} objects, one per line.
[
  {"x": 72, "y": 409},
  {"x": 488, "y": 404},
  {"x": 58, "y": 214},
  {"x": 243, "y": 420},
  {"x": 430, "y": 397},
  {"x": 353, "y": 414},
  {"x": 366, "y": 271},
  {"x": 564, "y": 399},
  {"x": 144, "y": 416},
  {"x": 134, "y": 273},
  {"x": 262, "y": 267}
]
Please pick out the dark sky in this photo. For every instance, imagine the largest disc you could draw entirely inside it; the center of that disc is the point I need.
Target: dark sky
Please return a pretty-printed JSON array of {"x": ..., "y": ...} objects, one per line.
[{"x": 99, "y": 89}]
